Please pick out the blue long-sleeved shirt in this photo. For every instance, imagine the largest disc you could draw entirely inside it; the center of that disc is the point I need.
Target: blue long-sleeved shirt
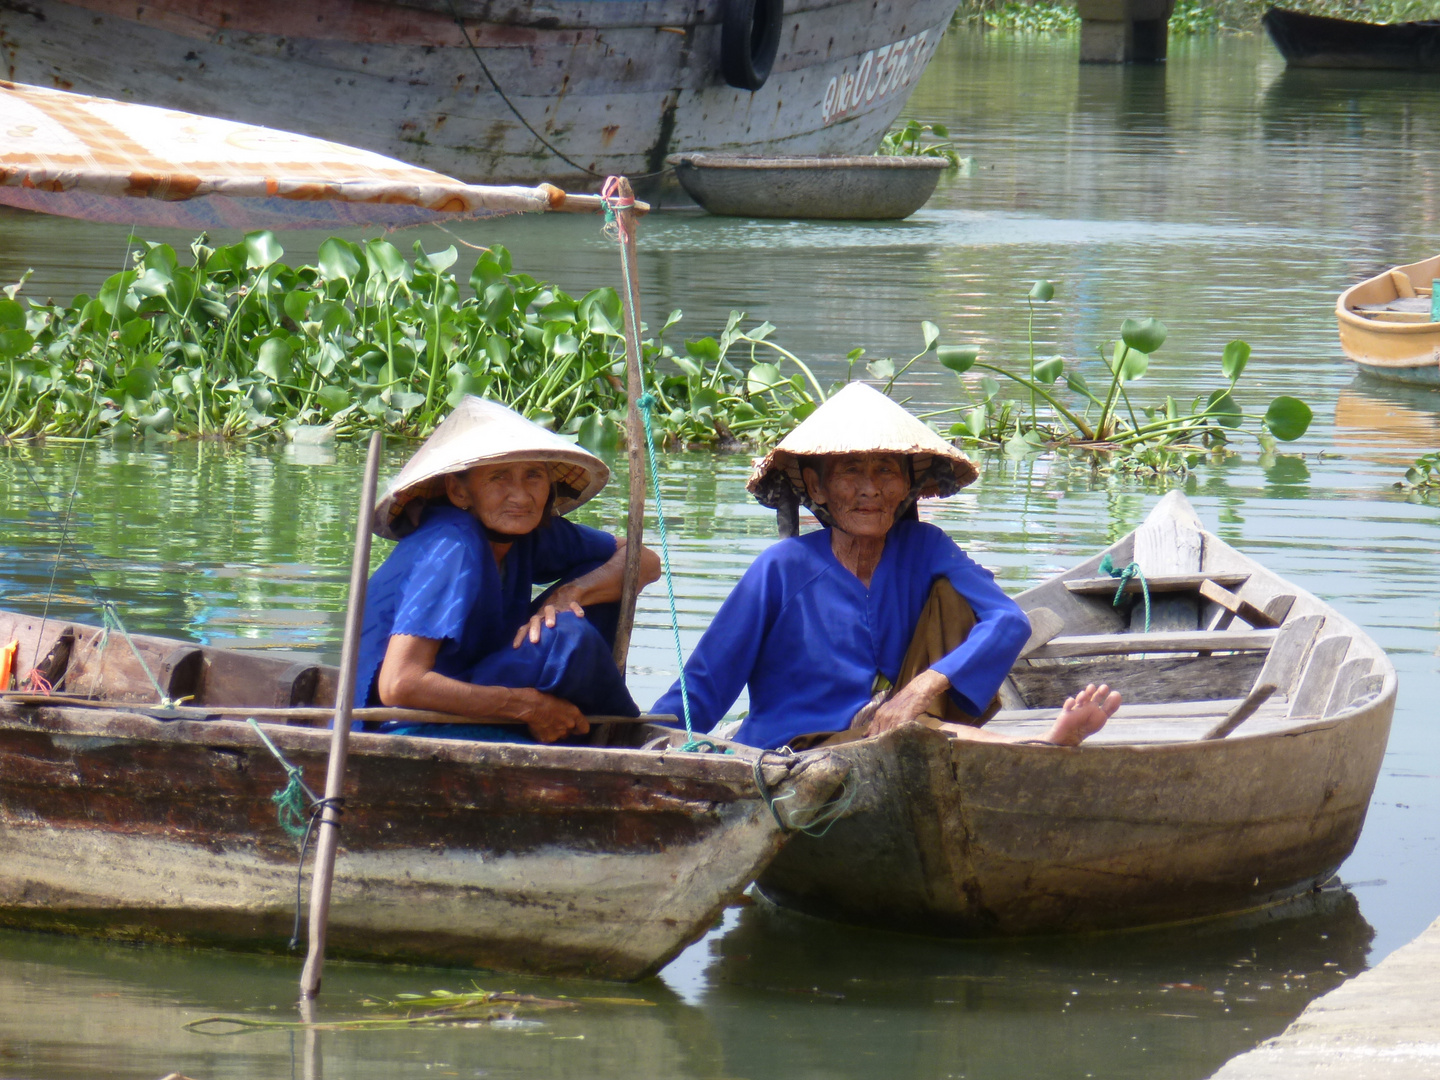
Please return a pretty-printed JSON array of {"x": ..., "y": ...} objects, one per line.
[
  {"x": 441, "y": 582},
  {"x": 808, "y": 637}
]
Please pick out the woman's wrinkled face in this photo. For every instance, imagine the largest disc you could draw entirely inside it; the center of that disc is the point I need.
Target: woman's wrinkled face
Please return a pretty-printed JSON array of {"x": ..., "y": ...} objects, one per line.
[
  {"x": 862, "y": 492},
  {"x": 509, "y": 498}
]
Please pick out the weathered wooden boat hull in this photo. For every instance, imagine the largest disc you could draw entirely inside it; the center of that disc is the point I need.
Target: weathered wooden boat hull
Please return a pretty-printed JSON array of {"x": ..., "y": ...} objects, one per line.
[
  {"x": 1403, "y": 352},
  {"x": 615, "y": 85},
  {"x": 1317, "y": 41},
  {"x": 977, "y": 839},
  {"x": 845, "y": 188},
  {"x": 584, "y": 861}
]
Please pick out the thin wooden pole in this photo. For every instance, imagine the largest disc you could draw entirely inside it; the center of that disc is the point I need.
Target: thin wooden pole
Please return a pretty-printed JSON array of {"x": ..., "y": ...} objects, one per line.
[
  {"x": 622, "y": 198},
  {"x": 323, "y": 874}
]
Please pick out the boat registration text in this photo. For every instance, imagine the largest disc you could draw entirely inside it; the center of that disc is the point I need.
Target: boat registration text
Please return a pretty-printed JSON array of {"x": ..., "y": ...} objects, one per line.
[{"x": 879, "y": 73}]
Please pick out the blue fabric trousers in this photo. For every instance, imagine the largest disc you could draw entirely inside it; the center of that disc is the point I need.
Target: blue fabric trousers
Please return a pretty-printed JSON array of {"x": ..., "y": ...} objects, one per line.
[{"x": 573, "y": 661}]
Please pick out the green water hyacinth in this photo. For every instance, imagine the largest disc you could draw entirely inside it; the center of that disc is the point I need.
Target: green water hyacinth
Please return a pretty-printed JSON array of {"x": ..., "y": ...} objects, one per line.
[
  {"x": 237, "y": 344},
  {"x": 1165, "y": 436}
]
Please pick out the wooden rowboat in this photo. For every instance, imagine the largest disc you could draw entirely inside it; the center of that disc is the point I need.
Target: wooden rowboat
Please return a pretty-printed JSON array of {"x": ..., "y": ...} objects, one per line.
[
  {"x": 1318, "y": 41},
  {"x": 1386, "y": 328},
  {"x": 1149, "y": 821},
  {"x": 594, "y": 861},
  {"x": 846, "y": 188}
]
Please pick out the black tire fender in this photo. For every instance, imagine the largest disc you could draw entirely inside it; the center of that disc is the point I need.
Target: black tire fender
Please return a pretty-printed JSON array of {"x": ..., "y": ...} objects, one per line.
[{"x": 749, "y": 40}]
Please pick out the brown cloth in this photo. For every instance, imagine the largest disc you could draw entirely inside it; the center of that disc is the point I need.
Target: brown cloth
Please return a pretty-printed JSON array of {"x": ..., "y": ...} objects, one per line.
[{"x": 945, "y": 621}]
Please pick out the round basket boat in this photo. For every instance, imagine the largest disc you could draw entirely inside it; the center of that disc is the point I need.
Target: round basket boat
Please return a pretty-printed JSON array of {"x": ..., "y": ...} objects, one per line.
[{"x": 851, "y": 188}]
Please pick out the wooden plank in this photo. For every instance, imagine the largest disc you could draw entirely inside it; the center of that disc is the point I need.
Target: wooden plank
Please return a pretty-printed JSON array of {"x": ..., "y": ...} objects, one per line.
[
  {"x": 1141, "y": 729},
  {"x": 1152, "y": 679},
  {"x": 1278, "y": 608},
  {"x": 106, "y": 664},
  {"x": 1044, "y": 625},
  {"x": 1170, "y": 541},
  {"x": 1156, "y": 642},
  {"x": 1161, "y": 583},
  {"x": 1163, "y": 710},
  {"x": 1319, "y": 677},
  {"x": 1365, "y": 686},
  {"x": 1242, "y": 712},
  {"x": 1253, "y": 615},
  {"x": 1288, "y": 654},
  {"x": 1350, "y": 672}
]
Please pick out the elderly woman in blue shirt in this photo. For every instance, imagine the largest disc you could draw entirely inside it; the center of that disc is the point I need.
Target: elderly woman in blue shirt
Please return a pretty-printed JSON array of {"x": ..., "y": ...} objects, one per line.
[
  {"x": 450, "y": 624},
  {"x": 874, "y": 621}
]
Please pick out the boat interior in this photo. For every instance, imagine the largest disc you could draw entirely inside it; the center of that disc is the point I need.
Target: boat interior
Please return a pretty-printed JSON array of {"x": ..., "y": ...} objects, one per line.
[
  {"x": 1195, "y": 653},
  {"x": 1401, "y": 295}
]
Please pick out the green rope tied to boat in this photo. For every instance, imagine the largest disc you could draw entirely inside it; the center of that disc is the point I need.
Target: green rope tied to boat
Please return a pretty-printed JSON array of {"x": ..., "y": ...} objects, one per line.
[
  {"x": 290, "y": 800},
  {"x": 692, "y": 745},
  {"x": 1125, "y": 574},
  {"x": 110, "y": 620}
]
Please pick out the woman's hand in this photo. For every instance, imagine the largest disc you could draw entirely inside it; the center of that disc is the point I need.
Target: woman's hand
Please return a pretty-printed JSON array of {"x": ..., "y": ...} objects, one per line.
[
  {"x": 909, "y": 703},
  {"x": 548, "y": 717},
  {"x": 546, "y": 617}
]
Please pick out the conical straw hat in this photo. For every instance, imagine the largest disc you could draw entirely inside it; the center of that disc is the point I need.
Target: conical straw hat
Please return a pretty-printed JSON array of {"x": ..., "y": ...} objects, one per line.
[
  {"x": 480, "y": 432},
  {"x": 860, "y": 420}
]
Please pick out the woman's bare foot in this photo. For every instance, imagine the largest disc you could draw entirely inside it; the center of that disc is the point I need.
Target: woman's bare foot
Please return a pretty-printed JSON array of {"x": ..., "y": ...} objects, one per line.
[{"x": 1083, "y": 715}]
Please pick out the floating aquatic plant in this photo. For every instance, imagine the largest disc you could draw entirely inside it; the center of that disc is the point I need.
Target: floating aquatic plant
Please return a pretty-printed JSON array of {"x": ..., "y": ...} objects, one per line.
[
  {"x": 1422, "y": 480},
  {"x": 911, "y": 138},
  {"x": 238, "y": 344},
  {"x": 1162, "y": 436}
]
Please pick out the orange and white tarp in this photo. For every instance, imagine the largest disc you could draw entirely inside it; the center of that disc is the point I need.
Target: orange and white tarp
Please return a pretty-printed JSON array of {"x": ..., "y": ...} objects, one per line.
[{"x": 103, "y": 160}]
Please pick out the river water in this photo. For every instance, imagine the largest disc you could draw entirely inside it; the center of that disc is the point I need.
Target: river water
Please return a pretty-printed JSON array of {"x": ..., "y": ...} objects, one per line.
[{"x": 1218, "y": 193}]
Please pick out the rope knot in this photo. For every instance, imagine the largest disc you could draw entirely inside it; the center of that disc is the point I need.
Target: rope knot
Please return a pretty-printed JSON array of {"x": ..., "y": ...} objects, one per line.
[
  {"x": 646, "y": 401},
  {"x": 1126, "y": 574}
]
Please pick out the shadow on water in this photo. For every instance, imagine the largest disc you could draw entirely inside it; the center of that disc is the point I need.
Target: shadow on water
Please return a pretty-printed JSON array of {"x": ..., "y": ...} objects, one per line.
[{"x": 781, "y": 996}]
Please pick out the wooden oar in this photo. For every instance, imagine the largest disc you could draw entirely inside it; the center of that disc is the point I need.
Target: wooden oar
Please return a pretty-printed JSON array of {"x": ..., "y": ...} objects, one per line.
[
  {"x": 292, "y": 712},
  {"x": 618, "y": 188},
  {"x": 323, "y": 874}
]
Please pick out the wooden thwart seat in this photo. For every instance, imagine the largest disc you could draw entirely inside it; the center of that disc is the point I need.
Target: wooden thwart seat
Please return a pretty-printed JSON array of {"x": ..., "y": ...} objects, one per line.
[
  {"x": 1160, "y": 583},
  {"x": 1164, "y": 641}
]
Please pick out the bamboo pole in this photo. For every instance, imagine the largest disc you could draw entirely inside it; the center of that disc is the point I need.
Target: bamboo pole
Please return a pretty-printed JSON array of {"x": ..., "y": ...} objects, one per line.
[
  {"x": 323, "y": 875},
  {"x": 622, "y": 198}
]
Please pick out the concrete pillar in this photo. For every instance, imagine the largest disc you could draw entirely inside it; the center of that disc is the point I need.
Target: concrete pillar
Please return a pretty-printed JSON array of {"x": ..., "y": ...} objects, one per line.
[{"x": 1124, "y": 31}]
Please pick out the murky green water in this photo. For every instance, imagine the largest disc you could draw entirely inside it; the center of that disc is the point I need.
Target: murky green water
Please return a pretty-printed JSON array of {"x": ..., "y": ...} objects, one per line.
[{"x": 1218, "y": 193}]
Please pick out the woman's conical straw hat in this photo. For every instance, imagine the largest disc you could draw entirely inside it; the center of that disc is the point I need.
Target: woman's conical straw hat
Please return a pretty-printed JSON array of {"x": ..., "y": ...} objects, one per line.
[
  {"x": 860, "y": 420},
  {"x": 480, "y": 432}
]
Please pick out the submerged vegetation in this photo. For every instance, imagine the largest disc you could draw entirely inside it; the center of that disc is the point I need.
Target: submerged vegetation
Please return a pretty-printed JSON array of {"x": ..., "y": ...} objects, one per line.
[{"x": 237, "y": 344}]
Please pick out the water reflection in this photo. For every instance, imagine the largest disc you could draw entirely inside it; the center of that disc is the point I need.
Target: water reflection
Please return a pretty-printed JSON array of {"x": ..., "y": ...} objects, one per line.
[
  {"x": 780, "y": 994},
  {"x": 1387, "y": 423},
  {"x": 1115, "y": 1005}
]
